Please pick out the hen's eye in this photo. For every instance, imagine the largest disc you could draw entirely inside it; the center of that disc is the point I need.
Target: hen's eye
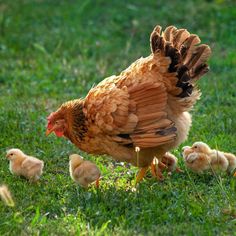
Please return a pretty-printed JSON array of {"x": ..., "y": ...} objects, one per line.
[{"x": 56, "y": 122}]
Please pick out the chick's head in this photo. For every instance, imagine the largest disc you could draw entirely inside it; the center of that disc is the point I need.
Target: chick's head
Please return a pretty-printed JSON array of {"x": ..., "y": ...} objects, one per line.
[
  {"x": 14, "y": 153},
  {"x": 186, "y": 150},
  {"x": 201, "y": 147},
  {"x": 76, "y": 158}
]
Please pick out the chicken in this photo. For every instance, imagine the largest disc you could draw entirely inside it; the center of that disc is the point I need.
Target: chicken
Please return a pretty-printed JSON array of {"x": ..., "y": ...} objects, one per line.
[
  {"x": 146, "y": 106},
  {"x": 197, "y": 162},
  {"x": 232, "y": 161},
  {"x": 83, "y": 172},
  {"x": 201, "y": 157},
  {"x": 6, "y": 197},
  {"x": 170, "y": 162},
  {"x": 23, "y": 165}
]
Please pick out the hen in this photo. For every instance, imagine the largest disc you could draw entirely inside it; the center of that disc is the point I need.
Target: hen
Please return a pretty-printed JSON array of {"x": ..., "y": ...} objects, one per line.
[{"x": 146, "y": 106}]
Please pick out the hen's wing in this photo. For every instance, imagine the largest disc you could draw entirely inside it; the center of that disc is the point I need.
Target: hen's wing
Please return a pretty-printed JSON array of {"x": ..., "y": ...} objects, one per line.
[{"x": 133, "y": 115}]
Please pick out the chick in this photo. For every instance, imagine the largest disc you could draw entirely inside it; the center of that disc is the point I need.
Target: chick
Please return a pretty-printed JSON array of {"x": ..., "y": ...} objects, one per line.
[
  {"x": 197, "y": 162},
  {"x": 201, "y": 154},
  {"x": 219, "y": 160},
  {"x": 23, "y": 165},
  {"x": 83, "y": 172},
  {"x": 232, "y": 161},
  {"x": 6, "y": 196},
  {"x": 170, "y": 162}
]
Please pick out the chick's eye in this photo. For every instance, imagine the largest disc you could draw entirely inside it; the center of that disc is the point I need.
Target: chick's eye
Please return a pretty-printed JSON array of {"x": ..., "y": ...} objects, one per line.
[
  {"x": 195, "y": 147},
  {"x": 11, "y": 154}
]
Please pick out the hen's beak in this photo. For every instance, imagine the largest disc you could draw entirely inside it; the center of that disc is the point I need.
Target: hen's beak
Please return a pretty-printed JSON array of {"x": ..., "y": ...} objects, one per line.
[
  {"x": 235, "y": 174},
  {"x": 48, "y": 131}
]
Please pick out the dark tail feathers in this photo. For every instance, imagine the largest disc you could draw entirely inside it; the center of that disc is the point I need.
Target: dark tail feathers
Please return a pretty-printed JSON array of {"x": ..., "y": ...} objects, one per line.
[{"x": 188, "y": 56}]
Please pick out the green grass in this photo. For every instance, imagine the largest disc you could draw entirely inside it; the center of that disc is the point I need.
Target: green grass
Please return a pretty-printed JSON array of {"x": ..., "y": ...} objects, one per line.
[{"x": 53, "y": 51}]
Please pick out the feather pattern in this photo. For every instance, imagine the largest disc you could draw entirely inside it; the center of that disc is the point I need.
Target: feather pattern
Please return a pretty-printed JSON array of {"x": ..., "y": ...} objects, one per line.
[{"x": 146, "y": 105}]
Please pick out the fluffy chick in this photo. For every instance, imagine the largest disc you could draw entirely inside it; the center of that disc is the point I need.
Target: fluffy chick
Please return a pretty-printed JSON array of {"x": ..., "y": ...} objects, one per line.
[
  {"x": 83, "y": 172},
  {"x": 209, "y": 158},
  {"x": 6, "y": 196},
  {"x": 197, "y": 162},
  {"x": 219, "y": 160},
  {"x": 232, "y": 161},
  {"x": 170, "y": 161},
  {"x": 24, "y": 165}
]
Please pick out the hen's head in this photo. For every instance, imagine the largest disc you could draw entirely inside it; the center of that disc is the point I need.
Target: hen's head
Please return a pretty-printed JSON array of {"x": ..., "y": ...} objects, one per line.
[{"x": 56, "y": 124}]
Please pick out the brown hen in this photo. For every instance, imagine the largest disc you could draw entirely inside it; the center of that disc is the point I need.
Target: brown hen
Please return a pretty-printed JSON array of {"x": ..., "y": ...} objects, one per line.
[{"x": 146, "y": 106}]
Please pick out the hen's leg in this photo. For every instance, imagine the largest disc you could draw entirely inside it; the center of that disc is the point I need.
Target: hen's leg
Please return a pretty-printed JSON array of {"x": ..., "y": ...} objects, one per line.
[
  {"x": 97, "y": 183},
  {"x": 156, "y": 169},
  {"x": 142, "y": 172}
]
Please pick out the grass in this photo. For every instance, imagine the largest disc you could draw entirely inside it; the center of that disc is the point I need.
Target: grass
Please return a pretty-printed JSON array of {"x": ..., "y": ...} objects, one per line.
[{"x": 53, "y": 52}]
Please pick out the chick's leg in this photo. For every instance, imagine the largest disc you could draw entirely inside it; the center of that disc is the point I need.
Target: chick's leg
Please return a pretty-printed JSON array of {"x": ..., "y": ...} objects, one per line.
[
  {"x": 142, "y": 172},
  {"x": 178, "y": 170}
]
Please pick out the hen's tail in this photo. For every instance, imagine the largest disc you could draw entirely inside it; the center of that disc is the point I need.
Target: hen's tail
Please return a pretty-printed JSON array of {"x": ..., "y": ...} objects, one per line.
[{"x": 188, "y": 59}]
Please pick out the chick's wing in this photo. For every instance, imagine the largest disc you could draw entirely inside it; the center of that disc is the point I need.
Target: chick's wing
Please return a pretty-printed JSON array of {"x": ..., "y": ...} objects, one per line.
[{"x": 31, "y": 163}]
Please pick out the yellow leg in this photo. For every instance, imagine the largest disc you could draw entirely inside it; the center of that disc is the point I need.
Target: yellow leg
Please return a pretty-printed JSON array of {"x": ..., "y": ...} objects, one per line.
[
  {"x": 142, "y": 172},
  {"x": 156, "y": 169}
]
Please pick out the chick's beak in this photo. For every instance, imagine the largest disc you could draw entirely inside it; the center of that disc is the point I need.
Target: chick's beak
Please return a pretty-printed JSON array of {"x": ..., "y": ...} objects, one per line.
[{"x": 48, "y": 131}]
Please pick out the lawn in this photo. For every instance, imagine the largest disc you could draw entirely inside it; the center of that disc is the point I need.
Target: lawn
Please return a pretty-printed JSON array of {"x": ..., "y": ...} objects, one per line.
[{"x": 54, "y": 51}]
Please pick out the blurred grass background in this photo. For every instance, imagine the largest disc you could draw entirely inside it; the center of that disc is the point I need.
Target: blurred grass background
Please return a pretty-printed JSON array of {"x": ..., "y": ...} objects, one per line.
[{"x": 54, "y": 51}]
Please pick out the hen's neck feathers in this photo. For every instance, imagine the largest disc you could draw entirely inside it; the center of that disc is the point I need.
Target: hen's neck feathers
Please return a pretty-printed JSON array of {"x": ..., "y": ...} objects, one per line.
[{"x": 75, "y": 118}]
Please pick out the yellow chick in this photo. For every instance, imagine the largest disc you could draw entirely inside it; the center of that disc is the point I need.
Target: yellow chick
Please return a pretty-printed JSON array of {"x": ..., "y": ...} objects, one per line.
[
  {"x": 83, "y": 172},
  {"x": 197, "y": 162},
  {"x": 170, "y": 161},
  {"x": 232, "y": 161},
  {"x": 24, "y": 165},
  {"x": 6, "y": 197},
  {"x": 201, "y": 157},
  {"x": 218, "y": 160}
]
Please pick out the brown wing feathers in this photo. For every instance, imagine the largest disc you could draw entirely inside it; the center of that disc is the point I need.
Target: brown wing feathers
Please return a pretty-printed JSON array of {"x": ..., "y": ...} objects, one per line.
[
  {"x": 153, "y": 128},
  {"x": 188, "y": 58}
]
